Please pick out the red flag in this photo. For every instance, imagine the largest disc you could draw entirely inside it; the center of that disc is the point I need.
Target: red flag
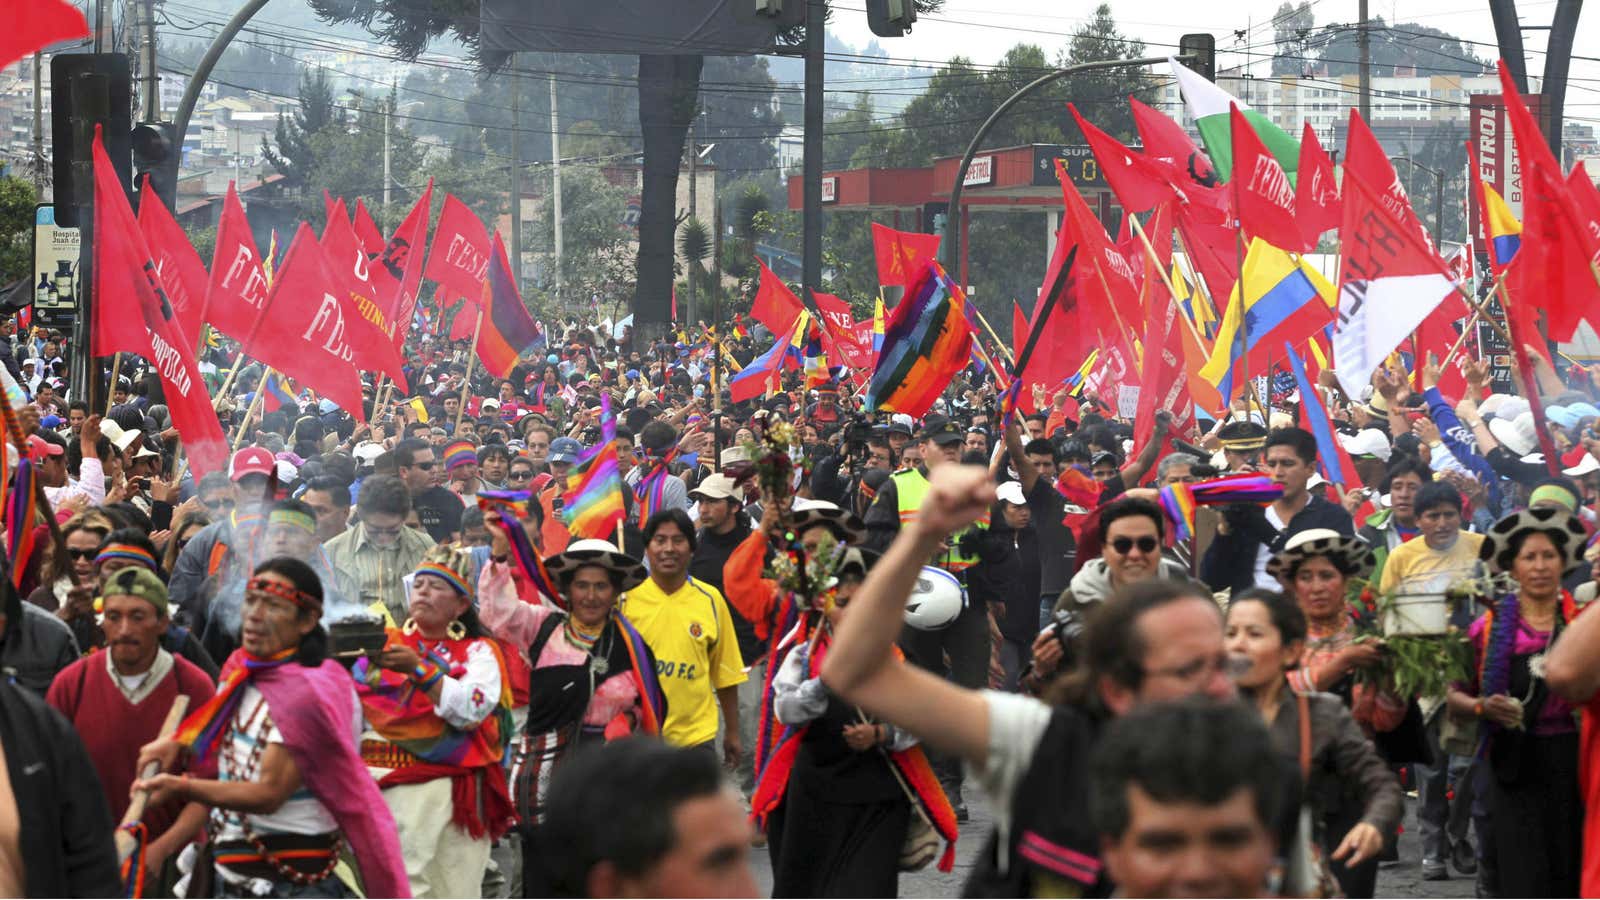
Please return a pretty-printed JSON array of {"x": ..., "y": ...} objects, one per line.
[
  {"x": 775, "y": 305},
  {"x": 1109, "y": 290},
  {"x": 238, "y": 288},
  {"x": 46, "y": 22},
  {"x": 901, "y": 255},
  {"x": 459, "y": 259},
  {"x": 1265, "y": 196},
  {"x": 309, "y": 325},
  {"x": 1138, "y": 184},
  {"x": 370, "y": 332},
  {"x": 1163, "y": 386},
  {"x": 1213, "y": 254},
  {"x": 1554, "y": 267},
  {"x": 177, "y": 264},
  {"x": 399, "y": 264},
  {"x": 1364, "y": 158},
  {"x": 1316, "y": 198},
  {"x": 840, "y": 329},
  {"x": 367, "y": 230},
  {"x": 133, "y": 315},
  {"x": 1190, "y": 172}
]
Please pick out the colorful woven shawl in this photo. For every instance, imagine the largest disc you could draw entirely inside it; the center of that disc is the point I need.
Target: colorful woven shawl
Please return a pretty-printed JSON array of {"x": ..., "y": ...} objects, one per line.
[
  {"x": 202, "y": 730},
  {"x": 407, "y": 718}
]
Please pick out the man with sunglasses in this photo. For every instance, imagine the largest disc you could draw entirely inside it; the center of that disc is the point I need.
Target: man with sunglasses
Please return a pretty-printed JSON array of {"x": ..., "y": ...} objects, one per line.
[{"x": 438, "y": 508}]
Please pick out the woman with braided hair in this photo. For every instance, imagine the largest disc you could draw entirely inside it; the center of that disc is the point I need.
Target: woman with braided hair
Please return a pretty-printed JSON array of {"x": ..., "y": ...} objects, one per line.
[{"x": 1531, "y": 733}]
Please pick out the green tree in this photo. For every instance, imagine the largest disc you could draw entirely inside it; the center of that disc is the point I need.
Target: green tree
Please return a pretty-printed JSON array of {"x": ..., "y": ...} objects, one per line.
[
  {"x": 17, "y": 199},
  {"x": 1102, "y": 96},
  {"x": 596, "y": 251},
  {"x": 1291, "y": 29},
  {"x": 1408, "y": 45},
  {"x": 292, "y": 151}
]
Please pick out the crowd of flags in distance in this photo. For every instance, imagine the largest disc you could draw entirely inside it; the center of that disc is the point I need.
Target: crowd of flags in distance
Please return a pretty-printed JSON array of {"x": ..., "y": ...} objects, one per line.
[{"x": 1185, "y": 329}]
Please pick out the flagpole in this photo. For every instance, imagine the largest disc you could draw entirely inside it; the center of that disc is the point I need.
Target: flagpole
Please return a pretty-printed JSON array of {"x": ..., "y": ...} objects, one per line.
[
  {"x": 997, "y": 342},
  {"x": 472, "y": 357},
  {"x": 1194, "y": 277},
  {"x": 1467, "y": 330},
  {"x": 116, "y": 373},
  {"x": 1166, "y": 277},
  {"x": 250, "y": 411},
  {"x": 377, "y": 393},
  {"x": 227, "y": 382}
]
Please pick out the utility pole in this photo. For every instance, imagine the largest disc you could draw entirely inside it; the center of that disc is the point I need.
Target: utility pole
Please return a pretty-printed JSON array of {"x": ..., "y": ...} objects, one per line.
[
  {"x": 555, "y": 179},
  {"x": 516, "y": 171},
  {"x": 1364, "y": 50},
  {"x": 811, "y": 172},
  {"x": 39, "y": 168},
  {"x": 388, "y": 118},
  {"x": 694, "y": 167},
  {"x": 152, "y": 91}
]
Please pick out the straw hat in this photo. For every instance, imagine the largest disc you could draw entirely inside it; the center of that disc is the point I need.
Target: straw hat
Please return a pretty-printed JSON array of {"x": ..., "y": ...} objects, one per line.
[
  {"x": 596, "y": 552},
  {"x": 1349, "y": 554}
]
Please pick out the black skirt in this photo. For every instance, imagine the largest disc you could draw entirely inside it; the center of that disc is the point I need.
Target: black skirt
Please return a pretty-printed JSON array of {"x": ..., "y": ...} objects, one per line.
[{"x": 825, "y": 849}]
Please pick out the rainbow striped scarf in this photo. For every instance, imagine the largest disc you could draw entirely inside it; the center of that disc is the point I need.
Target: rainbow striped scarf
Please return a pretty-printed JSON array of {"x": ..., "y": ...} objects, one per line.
[
  {"x": 21, "y": 512},
  {"x": 202, "y": 731},
  {"x": 652, "y": 700},
  {"x": 509, "y": 508},
  {"x": 651, "y": 490},
  {"x": 405, "y": 717}
]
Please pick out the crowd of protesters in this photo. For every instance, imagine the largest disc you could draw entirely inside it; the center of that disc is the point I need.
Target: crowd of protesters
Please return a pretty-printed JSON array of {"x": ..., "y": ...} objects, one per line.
[{"x": 386, "y": 697}]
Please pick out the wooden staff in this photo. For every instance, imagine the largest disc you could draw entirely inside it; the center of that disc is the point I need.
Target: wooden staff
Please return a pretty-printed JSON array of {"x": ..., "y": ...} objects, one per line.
[
  {"x": 472, "y": 357},
  {"x": 116, "y": 373},
  {"x": 250, "y": 411},
  {"x": 1004, "y": 350},
  {"x": 1462, "y": 339},
  {"x": 124, "y": 839},
  {"x": 1166, "y": 278},
  {"x": 227, "y": 383}
]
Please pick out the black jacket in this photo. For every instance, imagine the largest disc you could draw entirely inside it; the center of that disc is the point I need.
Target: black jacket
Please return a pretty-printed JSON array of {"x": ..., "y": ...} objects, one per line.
[
  {"x": 34, "y": 647},
  {"x": 1230, "y": 561},
  {"x": 66, "y": 834}
]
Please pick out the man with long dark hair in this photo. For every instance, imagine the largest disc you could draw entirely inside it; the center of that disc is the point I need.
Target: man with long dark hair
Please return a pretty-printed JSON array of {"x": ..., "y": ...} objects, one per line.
[{"x": 283, "y": 724}]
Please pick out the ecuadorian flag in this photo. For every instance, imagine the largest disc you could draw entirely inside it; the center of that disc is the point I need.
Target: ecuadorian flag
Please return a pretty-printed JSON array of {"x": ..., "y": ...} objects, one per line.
[
  {"x": 508, "y": 331},
  {"x": 1284, "y": 300},
  {"x": 1504, "y": 231}
]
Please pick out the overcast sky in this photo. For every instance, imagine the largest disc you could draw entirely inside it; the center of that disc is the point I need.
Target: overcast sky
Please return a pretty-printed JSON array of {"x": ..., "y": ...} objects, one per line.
[{"x": 984, "y": 29}]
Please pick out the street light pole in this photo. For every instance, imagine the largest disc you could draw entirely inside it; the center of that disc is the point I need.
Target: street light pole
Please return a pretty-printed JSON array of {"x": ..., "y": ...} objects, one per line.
[
  {"x": 950, "y": 245},
  {"x": 1438, "y": 197}
]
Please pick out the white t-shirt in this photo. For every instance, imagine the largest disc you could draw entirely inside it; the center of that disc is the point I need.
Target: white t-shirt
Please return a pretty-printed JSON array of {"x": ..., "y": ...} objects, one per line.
[
  {"x": 1016, "y": 727},
  {"x": 1264, "y": 555},
  {"x": 302, "y": 813}
]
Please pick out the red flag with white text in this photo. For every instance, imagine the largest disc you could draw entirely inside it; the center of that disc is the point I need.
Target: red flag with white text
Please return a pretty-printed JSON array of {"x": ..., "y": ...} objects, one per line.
[
  {"x": 1265, "y": 197},
  {"x": 309, "y": 325},
  {"x": 238, "y": 288},
  {"x": 348, "y": 261},
  {"x": 181, "y": 270},
  {"x": 399, "y": 265},
  {"x": 1316, "y": 192},
  {"x": 459, "y": 259},
  {"x": 132, "y": 314}
]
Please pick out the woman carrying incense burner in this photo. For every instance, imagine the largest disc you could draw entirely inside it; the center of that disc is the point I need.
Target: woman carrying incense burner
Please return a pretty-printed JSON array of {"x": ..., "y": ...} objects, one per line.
[
  {"x": 438, "y": 710},
  {"x": 1535, "y": 802}
]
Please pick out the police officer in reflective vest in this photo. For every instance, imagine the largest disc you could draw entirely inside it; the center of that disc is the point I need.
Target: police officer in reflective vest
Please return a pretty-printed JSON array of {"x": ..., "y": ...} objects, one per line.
[{"x": 966, "y": 641}]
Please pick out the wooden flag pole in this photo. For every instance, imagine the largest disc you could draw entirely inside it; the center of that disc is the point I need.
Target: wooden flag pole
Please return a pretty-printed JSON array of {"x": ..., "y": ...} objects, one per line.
[
  {"x": 472, "y": 357},
  {"x": 1462, "y": 339},
  {"x": 1004, "y": 350},
  {"x": 1166, "y": 278},
  {"x": 250, "y": 411},
  {"x": 233, "y": 373},
  {"x": 116, "y": 373}
]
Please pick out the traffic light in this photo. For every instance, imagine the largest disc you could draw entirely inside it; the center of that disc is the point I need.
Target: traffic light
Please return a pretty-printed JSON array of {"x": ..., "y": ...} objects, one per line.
[
  {"x": 155, "y": 153},
  {"x": 779, "y": 13},
  {"x": 890, "y": 18},
  {"x": 87, "y": 89},
  {"x": 1199, "y": 52}
]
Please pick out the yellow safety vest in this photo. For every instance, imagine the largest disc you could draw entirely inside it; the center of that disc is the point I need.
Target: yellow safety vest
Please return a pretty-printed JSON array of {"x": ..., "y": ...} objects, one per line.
[{"x": 910, "y": 487}]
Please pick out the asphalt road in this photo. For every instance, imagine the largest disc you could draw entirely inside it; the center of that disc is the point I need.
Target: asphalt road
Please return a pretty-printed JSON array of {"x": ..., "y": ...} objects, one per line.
[{"x": 1402, "y": 879}]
